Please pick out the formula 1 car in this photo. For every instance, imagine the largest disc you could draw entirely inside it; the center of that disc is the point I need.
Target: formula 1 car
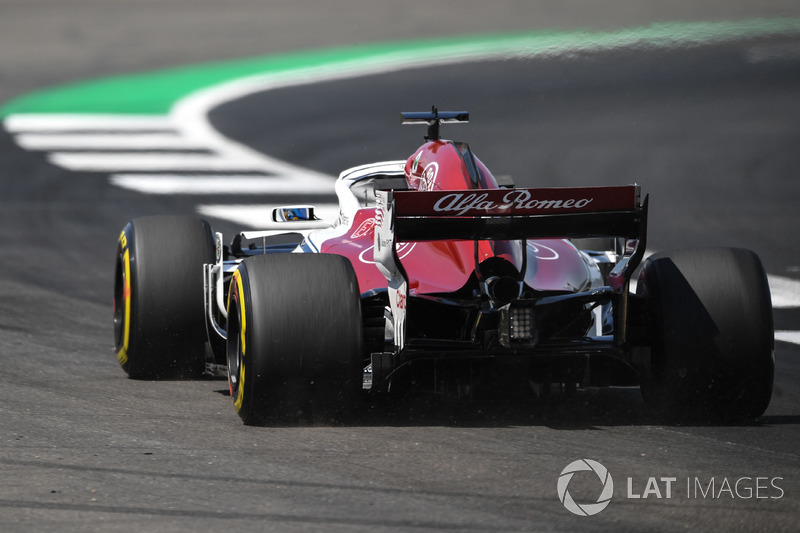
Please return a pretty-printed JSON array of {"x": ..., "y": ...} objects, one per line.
[{"x": 437, "y": 277}]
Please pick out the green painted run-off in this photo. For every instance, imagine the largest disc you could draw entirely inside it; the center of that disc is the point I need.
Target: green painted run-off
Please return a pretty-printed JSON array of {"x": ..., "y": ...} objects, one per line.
[{"x": 156, "y": 92}]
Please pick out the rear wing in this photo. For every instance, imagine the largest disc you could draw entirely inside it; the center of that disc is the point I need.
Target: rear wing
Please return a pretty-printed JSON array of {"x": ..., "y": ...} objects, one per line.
[
  {"x": 514, "y": 213},
  {"x": 433, "y": 118},
  {"x": 505, "y": 214}
]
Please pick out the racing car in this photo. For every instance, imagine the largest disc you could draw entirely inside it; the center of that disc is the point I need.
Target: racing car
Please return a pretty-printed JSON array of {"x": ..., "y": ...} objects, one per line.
[{"x": 438, "y": 277}]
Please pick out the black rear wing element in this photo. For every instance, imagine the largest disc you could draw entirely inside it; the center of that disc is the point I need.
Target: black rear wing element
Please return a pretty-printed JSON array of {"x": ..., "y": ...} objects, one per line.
[
  {"x": 433, "y": 118},
  {"x": 516, "y": 213}
]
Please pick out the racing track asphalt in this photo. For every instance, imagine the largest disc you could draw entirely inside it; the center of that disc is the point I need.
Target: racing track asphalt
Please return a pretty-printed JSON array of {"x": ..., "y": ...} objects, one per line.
[{"x": 83, "y": 448}]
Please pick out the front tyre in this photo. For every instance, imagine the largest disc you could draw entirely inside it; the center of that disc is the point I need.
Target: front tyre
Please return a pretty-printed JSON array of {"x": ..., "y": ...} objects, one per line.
[
  {"x": 294, "y": 338},
  {"x": 159, "y": 319},
  {"x": 713, "y": 338}
]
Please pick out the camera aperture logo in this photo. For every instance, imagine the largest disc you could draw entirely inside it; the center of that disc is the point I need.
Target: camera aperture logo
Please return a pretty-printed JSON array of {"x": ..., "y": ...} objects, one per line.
[{"x": 585, "y": 509}]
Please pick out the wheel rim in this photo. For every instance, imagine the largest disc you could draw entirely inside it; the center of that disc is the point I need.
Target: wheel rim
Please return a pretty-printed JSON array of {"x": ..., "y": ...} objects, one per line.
[
  {"x": 119, "y": 303},
  {"x": 234, "y": 355}
]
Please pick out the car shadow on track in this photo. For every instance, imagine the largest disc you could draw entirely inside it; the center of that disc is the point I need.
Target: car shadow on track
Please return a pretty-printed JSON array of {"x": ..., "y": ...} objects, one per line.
[{"x": 583, "y": 410}]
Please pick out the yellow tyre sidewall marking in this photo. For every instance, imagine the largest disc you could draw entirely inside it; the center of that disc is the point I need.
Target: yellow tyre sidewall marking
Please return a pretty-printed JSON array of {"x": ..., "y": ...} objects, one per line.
[
  {"x": 237, "y": 279},
  {"x": 122, "y": 354}
]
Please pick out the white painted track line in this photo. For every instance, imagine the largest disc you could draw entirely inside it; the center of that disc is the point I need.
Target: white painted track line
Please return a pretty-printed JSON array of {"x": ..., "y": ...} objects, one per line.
[
  {"x": 227, "y": 185},
  {"x": 76, "y": 122},
  {"x": 785, "y": 295},
  {"x": 785, "y": 292},
  {"x": 788, "y": 336},
  {"x": 123, "y": 161},
  {"x": 115, "y": 141},
  {"x": 157, "y": 147}
]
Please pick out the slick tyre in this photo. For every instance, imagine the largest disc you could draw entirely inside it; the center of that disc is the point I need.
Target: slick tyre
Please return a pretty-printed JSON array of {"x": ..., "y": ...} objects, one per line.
[
  {"x": 713, "y": 338},
  {"x": 294, "y": 338},
  {"x": 159, "y": 321}
]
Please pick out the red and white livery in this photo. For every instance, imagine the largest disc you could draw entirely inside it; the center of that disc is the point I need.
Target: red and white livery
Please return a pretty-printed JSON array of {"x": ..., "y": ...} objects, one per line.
[{"x": 437, "y": 277}]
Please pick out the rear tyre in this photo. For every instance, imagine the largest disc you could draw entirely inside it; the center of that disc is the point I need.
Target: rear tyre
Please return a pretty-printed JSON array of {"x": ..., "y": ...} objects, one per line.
[
  {"x": 159, "y": 322},
  {"x": 713, "y": 338},
  {"x": 294, "y": 338}
]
